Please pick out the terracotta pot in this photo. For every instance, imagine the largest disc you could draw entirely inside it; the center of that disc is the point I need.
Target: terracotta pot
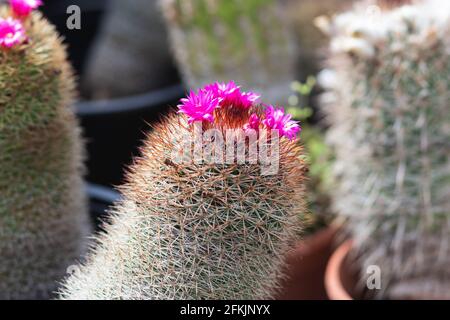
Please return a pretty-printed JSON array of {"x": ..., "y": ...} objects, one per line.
[
  {"x": 340, "y": 279},
  {"x": 306, "y": 266}
]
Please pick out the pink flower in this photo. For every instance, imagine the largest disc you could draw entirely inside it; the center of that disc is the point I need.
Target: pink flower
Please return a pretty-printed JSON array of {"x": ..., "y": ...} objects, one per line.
[
  {"x": 253, "y": 123},
  {"x": 223, "y": 90},
  {"x": 230, "y": 95},
  {"x": 199, "y": 106},
  {"x": 23, "y": 8},
  {"x": 276, "y": 119},
  {"x": 248, "y": 99},
  {"x": 11, "y": 32}
]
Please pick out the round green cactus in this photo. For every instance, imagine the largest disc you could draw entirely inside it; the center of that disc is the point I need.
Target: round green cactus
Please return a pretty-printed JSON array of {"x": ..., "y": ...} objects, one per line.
[{"x": 42, "y": 205}]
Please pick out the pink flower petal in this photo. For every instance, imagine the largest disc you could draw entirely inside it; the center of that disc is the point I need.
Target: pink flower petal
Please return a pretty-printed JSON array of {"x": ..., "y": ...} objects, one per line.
[
  {"x": 230, "y": 95},
  {"x": 11, "y": 33},
  {"x": 276, "y": 119},
  {"x": 23, "y": 8},
  {"x": 253, "y": 123},
  {"x": 199, "y": 106}
]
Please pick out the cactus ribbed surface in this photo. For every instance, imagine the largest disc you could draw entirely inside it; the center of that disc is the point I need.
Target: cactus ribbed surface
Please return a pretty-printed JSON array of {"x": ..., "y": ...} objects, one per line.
[
  {"x": 222, "y": 40},
  {"x": 188, "y": 230},
  {"x": 131, "y": 54},
  {"x": 43, "y": 216},
  {"x": 389, "y": 109}
]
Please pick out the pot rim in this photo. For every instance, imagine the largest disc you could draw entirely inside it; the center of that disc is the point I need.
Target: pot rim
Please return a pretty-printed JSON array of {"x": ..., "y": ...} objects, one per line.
[
  {"x": 333, "y": 280},
  {"x": 135, "y": 103}
]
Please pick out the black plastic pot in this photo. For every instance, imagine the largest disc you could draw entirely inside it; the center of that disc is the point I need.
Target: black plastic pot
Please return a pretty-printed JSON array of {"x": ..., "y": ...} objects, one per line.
[
  {"x": 115, "y": 128},
  {"x": 100, "y": 201},
  {"x": 78, "y": 41}
]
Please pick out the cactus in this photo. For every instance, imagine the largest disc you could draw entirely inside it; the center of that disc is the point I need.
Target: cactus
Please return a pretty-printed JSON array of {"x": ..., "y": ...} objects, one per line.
[
  {"x": 199, "y": 229},
  {"x": 42, "y": 205},
  {"x": 389, "y": 108},
  {"x": 223, "y": 40},
  {"x": 132, "y": 43}
]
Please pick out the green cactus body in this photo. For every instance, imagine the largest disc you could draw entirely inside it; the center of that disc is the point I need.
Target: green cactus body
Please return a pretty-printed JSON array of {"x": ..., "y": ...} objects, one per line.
[
  {"x": 222, "y": 40},
  {"x": 132, "y": 43},
  {"x": 389, "y": 108},
  {"x": 196, "y": 231},
  {"x": 42, "y": 206}
]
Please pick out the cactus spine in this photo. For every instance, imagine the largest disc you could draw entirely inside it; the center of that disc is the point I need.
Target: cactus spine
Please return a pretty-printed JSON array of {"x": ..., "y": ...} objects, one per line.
[
  {"x": 133, "y": 44},
  {"x": 188, "y": 230},
  {"x": 246, "y": 41},
  {"x": 389, "y": 109},
  {"x": 42, "y": 207}
]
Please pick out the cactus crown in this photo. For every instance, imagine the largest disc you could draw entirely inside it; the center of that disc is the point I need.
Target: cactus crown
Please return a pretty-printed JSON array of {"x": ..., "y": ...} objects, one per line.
[
  {"x": 34, "y": 68},
  {"x": 389, "y": 110},
  {"x": 202, "y": 230}
]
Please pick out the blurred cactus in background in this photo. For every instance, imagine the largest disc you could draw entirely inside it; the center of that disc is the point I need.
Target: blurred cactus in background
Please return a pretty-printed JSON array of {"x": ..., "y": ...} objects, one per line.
[
  {"x": 43, "y": 217},
  {"x": 310, "y": 40},
  {"x": 131, "y": 54},
  {"x": 389, "y": 108},
  {"x": 202, "y": 229},
  {"x": 247, "y": 41}
]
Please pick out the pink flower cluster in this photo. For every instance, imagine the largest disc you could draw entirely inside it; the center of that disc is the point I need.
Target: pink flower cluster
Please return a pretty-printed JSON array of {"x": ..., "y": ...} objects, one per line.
[
  {"x": 230, "y": 95},
  {"x": 276, "y": 119},
  {"x": 200, "y": 106},
  {"x": 23, "y": 8},
  {"x": 11, "y": 33}
]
